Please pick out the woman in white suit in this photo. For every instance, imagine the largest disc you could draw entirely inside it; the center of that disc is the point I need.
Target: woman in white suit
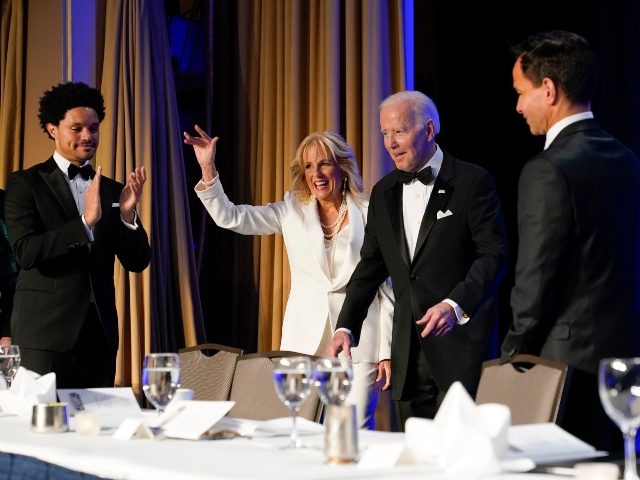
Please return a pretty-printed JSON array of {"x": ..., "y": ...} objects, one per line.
[{"x": 322, "y": 221}]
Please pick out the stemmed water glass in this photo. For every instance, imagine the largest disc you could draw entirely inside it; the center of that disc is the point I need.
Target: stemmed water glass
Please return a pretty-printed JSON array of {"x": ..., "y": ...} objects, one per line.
[
  {"x": 9, "y": 362},
  {"x": 619, "y": 387},
  {"x": 333, "y": 378},
  {"x": 292, "y": 381},
  {"x": 160, "y": 378}
]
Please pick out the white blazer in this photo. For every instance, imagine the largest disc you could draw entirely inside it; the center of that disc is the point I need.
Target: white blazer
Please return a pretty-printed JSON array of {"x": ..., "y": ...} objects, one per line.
[{"x": 313, "y": 296}]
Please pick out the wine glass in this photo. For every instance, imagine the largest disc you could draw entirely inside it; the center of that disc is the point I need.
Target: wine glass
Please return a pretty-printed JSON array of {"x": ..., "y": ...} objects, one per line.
[
  {"x": 160, "y": 378},
  {"x": 9, "y": 362},
  {"x": 292, "y": 381},
  {"x": 333, "y": 378},
  {"x": 619, "y": 387}
]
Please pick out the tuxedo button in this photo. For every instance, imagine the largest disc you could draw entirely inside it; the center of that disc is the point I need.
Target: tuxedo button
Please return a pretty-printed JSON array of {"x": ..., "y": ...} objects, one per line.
[
  {"x": 73, "y": 245},
  {"x": 413, "y": 277}
]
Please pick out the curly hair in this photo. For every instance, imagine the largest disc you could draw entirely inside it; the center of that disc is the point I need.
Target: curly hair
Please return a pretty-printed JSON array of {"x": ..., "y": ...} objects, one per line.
[
  {"x": 55, "y": 103},
  {"x": 337, "y": 149}
]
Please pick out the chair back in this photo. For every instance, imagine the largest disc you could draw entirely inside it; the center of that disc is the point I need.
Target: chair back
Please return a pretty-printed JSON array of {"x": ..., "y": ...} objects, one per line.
[
  {"x": 208, "y": 370},
  {"x": 534, "y": 388},
  {"x": 255, "y": 396}
]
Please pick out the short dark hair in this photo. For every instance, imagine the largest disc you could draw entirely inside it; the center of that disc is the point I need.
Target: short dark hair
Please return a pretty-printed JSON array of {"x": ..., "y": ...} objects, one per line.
[
  {"x": 55, "y": 103},
  {"x": 564, "y": 57}
]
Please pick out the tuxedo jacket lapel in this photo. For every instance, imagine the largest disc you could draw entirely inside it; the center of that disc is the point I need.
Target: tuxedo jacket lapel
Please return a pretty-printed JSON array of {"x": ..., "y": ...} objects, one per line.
[
  {"x": 393, "y": 199},
  {"x": 440, "y": 195},
  {"x": 55, "y": 180}
]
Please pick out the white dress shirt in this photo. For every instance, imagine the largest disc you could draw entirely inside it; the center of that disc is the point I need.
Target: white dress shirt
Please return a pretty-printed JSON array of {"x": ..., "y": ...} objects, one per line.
[
  {"x": 557, "y": 127},
  {"x": 415, "y": 197}
]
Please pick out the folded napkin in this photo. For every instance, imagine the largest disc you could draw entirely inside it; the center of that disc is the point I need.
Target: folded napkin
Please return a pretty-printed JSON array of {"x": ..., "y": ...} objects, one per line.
[
  {"x": 27, "y": 389},
  {"x": 464, "y": 438}
]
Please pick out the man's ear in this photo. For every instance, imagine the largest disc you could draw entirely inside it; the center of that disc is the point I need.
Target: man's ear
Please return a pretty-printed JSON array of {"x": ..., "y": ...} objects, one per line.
[
  {"x": 551, "y": 91},
  {"x": 52, "y": 129},
  {"x": 430, "y": 128}
]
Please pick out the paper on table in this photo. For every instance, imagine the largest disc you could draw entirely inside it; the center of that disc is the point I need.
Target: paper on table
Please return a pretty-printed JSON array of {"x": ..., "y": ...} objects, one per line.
[
  {"x": 191, "y": 419},
  {"x": 100, "y": 400},
  {"x": 112, "y": 404},
  {"x": 27, "y": 389},
  {"x": 265, "y": 428},
  {"x": 547, "y": 442}
]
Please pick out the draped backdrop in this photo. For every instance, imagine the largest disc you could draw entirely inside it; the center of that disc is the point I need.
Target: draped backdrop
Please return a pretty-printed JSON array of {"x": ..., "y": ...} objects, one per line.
[
  {"x": 294, "y": 67},
  {"x": 301, "y": 67},
  {"x": 12, "y": 32},
  {"x": 159, "y": 310}
]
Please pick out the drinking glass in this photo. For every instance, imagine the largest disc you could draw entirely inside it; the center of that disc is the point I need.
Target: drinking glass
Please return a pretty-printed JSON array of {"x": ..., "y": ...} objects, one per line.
[
  {"x": 619, "y": 387},
  {"x": 160, "y": 378},
  {"x": 333, "y": 378},
  {"x": 292, "y": 381},
  {"x": 9, "y": 362}
]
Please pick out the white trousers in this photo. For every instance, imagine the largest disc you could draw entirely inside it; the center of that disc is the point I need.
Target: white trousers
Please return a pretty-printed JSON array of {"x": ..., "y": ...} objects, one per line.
[{"x": 363, "y": 392}]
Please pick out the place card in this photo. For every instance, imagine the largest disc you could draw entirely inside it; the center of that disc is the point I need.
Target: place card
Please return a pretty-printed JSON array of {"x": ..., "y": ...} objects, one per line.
[
  {"x": 132, "y": 428},
  {"x": 193, "y": 419}
]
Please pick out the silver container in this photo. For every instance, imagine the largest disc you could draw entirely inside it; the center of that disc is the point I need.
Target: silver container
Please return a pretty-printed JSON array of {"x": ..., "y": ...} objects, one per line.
[
  {"x": 341, "y": 434},
  {"x": 50, "y": 418}
]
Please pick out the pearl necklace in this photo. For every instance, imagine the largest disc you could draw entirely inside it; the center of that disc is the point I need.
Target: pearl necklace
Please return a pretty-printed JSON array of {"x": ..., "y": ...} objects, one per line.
[{"x": 335, "y": 227}]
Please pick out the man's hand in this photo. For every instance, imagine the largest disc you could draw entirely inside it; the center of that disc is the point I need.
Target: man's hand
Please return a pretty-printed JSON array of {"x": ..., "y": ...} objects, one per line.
[
  {"x": 438, "y": 321},
  {"x": 5, "y": 341},
  {"x": 131, "y": 193},
  {"x": 341, "y": 342},
  {"x": 92, "y": 209},
  {"x": 384, "y": 373}
]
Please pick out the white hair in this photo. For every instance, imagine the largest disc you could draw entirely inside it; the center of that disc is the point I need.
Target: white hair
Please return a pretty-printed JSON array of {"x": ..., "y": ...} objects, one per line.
[{"x": 423, "y": 107}]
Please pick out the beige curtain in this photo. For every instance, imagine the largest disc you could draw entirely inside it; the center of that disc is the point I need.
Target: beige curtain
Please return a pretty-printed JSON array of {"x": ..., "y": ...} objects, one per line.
[
  {"x": 142, "y": 129},
  {"x": 12, "y": 32},
  {"x": 307, "y": 66}
]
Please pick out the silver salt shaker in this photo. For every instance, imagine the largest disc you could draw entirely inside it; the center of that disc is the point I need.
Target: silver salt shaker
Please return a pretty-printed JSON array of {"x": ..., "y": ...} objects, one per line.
[{"x": 341, "y": 434}]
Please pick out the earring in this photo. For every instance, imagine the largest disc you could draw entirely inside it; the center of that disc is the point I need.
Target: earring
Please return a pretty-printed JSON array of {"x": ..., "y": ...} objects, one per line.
[{"x": 344, "y": 187}]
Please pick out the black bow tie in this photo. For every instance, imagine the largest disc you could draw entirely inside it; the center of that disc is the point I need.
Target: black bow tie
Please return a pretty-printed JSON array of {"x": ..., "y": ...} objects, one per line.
[
  {"x": 425, "y": 176},
  {"x": 86, "y": 171}
]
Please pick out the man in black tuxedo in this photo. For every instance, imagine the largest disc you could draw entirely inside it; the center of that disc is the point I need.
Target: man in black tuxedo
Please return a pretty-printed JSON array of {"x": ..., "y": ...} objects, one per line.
[
  {"x": 66, "y": 224},
  {"x": 435, "y": 227},
  {"x": 8, "y": 276},
  {"x": 576, "y": 297}
]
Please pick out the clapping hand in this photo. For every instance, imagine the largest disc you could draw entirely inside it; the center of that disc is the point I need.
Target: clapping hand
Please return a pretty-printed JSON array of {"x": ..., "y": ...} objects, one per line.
[
  {"x": 131, "y": 193},
  {"x": 92, "y": 207}
]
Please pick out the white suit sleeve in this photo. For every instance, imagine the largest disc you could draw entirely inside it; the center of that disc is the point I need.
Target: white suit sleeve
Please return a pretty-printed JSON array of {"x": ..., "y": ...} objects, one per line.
[
  {"x": 243, "y": 219},
  {"x": 386, "y": 300}
]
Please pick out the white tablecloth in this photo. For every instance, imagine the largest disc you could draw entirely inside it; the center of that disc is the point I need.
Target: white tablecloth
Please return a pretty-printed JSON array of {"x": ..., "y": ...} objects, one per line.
[{"x": 235, "y": 459}]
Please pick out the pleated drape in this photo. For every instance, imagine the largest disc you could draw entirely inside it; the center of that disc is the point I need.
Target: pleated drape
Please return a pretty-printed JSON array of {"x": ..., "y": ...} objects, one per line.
[
  {"x": 159, "y": 310},
  {"x": 308, "y": 66},
  {"x": 12, "y": 33}
]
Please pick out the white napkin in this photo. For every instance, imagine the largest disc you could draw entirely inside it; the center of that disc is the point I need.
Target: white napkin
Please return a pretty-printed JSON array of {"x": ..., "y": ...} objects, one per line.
[
  {"x": 463, "y": 438},
  {"x": 27, "y": 389}
]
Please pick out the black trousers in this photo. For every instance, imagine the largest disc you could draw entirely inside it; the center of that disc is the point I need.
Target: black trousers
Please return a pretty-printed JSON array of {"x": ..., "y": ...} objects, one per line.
[
  {"x": 421, "y": 396},
  {"x": 90, "y": 363}
]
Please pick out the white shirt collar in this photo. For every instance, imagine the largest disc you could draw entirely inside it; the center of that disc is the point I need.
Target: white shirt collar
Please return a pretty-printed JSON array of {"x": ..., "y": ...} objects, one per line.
[
  {"x": 557, "y": 127},
  {"x": 435, "y": 162},
  {"x": 63, "y": 163}
]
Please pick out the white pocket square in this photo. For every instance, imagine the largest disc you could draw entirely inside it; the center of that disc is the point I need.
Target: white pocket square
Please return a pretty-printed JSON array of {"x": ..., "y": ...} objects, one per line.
[
  {"x": 115, "y": 205},
  {"x": 442, "y": 214}
]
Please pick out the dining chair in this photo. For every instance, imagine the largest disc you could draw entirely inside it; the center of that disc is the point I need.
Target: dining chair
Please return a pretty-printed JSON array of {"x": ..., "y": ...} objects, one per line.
[
  {"x": 255, "y": 396},
  {"x": 208, "y": 370},
  {"x": 534, "y": 388}
]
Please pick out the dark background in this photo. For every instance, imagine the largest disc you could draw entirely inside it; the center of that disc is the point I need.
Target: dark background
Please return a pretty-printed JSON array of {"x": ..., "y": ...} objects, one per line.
[{"x": 462, "y": 61}]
